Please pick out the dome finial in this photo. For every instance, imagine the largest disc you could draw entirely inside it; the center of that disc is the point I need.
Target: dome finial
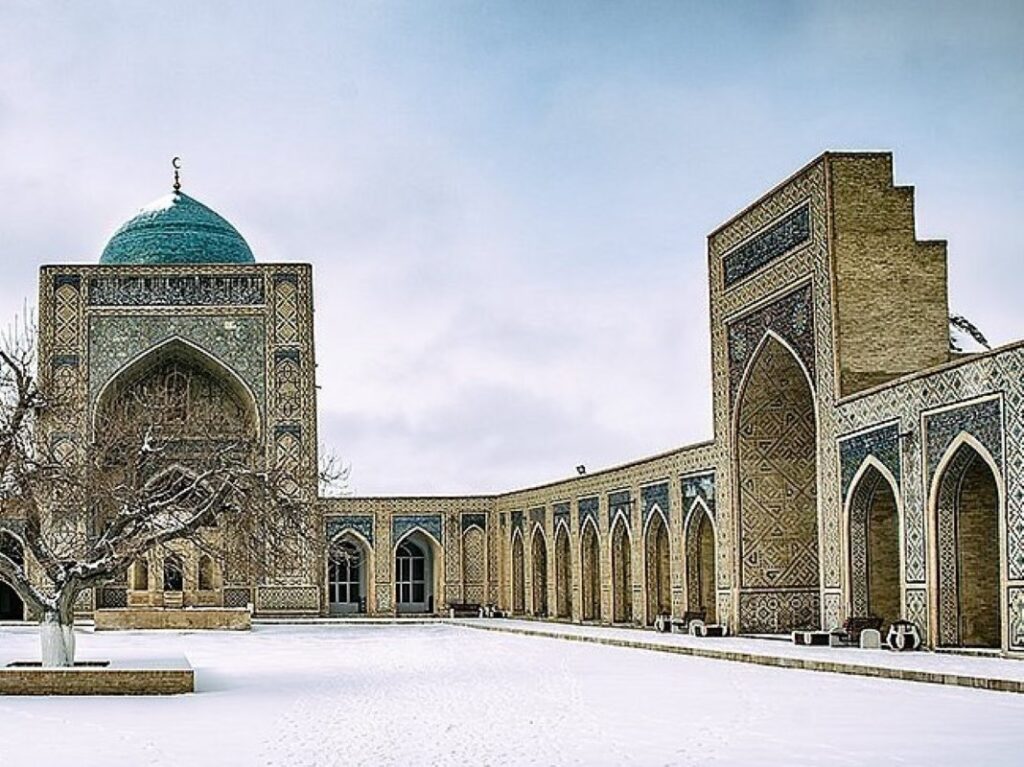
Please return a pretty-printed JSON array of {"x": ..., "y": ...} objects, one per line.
[{"x": 176, "y": 164}]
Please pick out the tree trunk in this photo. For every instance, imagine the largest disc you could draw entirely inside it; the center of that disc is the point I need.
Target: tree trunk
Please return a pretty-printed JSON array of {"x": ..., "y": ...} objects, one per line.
[{"x": 57, "y": 637}]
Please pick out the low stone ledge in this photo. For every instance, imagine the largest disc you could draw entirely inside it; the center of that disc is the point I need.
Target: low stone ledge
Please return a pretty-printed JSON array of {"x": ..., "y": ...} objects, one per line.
[
  {"x": 779, "y": 661},
  {"x": 165, "y": 676},
  {"x": 181, "y": 619}
]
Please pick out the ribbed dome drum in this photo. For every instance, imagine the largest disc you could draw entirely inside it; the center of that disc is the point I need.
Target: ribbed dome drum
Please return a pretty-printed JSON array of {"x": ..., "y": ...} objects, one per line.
[{"x": 177, "y": 229}]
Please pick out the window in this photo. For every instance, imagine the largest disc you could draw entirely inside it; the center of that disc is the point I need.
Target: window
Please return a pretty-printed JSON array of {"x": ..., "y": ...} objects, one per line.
[
  {"x": 344, "y": 573},
  {"x": 410, "y": 574}
]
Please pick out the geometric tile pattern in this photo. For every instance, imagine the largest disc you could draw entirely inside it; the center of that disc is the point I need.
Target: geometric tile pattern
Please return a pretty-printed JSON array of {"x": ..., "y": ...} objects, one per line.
[
  {"x": 360, "y": 523},
  {"x": 474, "y": 520},
  {"x": 700, "y": 486},
  {"x": 431, "y": 523},
  {"x": 619, "y": 502},
  {"x": 790, "y": 317},
  {"x": 587, "y": 509},
  {"x": 655, "y": 496},
  {"x": 778, "y": 511},
  {"x": 882, "y": 443},
  {"x": 982, "y": 420}
]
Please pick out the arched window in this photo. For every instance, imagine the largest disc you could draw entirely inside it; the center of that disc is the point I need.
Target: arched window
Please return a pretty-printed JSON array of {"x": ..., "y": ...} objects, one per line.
[
  {"x": 206, "y": 573},
  {"x": 174, "y": 573},
  {"x": 344, "y": 576},
  {"x": 410, "y": 573},
  {"x": 140, "y": 575}
]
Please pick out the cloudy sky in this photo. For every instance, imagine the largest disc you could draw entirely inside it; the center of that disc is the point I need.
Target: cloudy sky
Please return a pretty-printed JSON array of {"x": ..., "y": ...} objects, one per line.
[{"x": 505, "y": 204}]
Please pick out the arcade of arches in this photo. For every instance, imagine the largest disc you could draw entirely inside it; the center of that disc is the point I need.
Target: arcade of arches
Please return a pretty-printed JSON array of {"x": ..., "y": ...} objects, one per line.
[{"x": 857, "y": 465}]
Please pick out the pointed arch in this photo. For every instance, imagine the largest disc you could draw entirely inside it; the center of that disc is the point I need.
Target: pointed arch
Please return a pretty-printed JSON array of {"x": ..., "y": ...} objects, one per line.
[
  {"x": 622, "y": 570},
  {"x": 349, "y": 573},
  {"x": 699, "y": 534},
  {"x": 657, "y": 565},
  {"x": 539, "y": 572},
  {"x": 518, "y": 573},
  {"x": 590, "y": 571},
  {"x": 474, "y": 565},
  {"x": 775, "y": 425},
  {"x": 873, "y": 531},
  {"x": 966, "y": 502},
  {"x": 189, "y": 353},
  {"x": 563, "y": 571},
  {"x": 418, "y": 571}
]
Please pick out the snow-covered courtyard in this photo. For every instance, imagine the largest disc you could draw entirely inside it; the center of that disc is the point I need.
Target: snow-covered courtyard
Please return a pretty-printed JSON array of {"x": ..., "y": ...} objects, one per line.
[{"x": 442, "y": 694}]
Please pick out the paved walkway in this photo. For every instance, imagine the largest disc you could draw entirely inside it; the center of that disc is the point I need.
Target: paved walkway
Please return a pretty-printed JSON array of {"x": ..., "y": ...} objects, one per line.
[{"x": 986, "y": 672}]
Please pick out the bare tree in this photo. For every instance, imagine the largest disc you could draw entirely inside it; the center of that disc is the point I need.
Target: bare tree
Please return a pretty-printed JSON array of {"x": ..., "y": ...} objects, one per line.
[
  {"x": 172, "y": 456},
  {"x": 334, "y": 476}
]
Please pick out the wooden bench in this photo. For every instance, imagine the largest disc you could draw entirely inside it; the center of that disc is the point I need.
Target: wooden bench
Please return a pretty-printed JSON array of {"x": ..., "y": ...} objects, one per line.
[{"x": 463, "y": 610}]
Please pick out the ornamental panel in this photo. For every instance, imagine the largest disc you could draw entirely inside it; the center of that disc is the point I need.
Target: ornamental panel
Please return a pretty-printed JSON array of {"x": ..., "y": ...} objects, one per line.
[
  {"x": 176, "y": 290},
  {"x": 785, "y": 235}
]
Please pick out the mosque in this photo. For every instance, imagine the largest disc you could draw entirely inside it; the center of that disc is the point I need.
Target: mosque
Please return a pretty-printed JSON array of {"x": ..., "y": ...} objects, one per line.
[{"x": 858, "y": 466}]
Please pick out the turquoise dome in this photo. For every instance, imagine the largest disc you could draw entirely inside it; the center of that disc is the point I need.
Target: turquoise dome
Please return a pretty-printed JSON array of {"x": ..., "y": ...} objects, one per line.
[{"x": 177, "y": 229}]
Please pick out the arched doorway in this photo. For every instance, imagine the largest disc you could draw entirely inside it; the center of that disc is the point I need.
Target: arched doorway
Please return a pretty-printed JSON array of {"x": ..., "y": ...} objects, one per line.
[
  {"x": 776, "y": 462},
  {"x": 658, "y": 568},
  {"x": 700, "y": 563},
  {"x": 539, "y": 559},
  {"x": 414, "y": 574},
  {"x": 174, "y": 573},
  {"x": 347, "y": 570},
  {"x": 873, "y": 536},
  {"x": 563, "y": 570},
  {"x": 518, "y": 575},
  {"x": 590, "y": 565},
  {"x": 622, "y": 573},
  {"x": 11, "y": 606},
  {"x": 967, "y": 502}
]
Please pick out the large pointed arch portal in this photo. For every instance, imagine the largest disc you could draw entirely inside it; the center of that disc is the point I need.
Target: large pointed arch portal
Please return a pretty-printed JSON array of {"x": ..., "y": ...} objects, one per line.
[{"x": 776, "y": 469}]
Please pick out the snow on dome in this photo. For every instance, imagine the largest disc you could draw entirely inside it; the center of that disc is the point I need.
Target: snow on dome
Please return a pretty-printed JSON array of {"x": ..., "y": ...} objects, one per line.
[{"x": 177, "y": 229}]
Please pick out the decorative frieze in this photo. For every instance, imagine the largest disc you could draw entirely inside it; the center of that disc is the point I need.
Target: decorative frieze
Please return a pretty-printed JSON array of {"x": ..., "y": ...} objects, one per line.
[{"x": 176, "y": 290}]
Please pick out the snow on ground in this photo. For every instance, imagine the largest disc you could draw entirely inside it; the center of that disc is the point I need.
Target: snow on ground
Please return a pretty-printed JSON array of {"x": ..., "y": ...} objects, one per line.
[{"x": 441, "y": 694}]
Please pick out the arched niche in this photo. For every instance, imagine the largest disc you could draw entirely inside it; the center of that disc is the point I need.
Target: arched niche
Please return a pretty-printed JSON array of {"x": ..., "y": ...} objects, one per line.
[
  {"x": 699, "y": 534},
  {"x": 776, "y": 474},
  {"x": 873, "y": 543},
  {"x": 966, "y": 501},
  {"x": 563, "y": 572},
  {"x": 658, "y": 566},
  {"x": 518, "y": 574},
  {"x": 182, "y": 387},
  {"x": 539, "y": 562},
  {"x": 590, "y": 572},
  {"x": 622, "y": 572}
]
